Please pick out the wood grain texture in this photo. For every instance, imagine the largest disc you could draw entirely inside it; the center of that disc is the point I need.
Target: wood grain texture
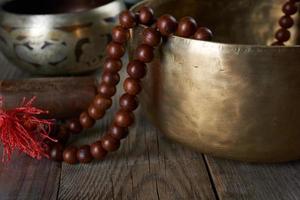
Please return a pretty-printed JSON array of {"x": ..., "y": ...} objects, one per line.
[
  {"x": 146, "y": 167},
  {"x": 25, "y": 178},
  {"x": 238, "y": 180}
]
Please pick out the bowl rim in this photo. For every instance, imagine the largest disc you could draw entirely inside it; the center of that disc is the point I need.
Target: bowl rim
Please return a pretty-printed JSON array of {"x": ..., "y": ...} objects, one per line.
[
  {"x": 220, "y": 44},
  {"x": 98, "y": 9}
]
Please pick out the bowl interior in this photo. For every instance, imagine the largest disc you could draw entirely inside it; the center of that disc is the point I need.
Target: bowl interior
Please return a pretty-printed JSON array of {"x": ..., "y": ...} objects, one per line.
[{"x": 232, "y": 21}]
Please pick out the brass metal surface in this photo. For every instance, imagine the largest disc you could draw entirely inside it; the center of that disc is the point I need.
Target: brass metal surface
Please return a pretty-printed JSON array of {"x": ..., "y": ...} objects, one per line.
[
  {"x": 56, "y": 44},
  {"x": 239, "y": 100}
]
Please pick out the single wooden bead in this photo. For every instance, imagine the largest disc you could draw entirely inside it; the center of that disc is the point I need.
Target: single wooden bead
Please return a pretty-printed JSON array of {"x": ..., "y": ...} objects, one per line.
[
  {"x": 187, "y": 26},
  {"x": 102, "y": 103},
  {"x": 74, "y": 126},
  {"x": 132, "y": 86},
  {"x": 146, "y": 15},
  {"x": 86, "y": 121},
  {"x": 110, "y": 78},
  {"x": 282, "y": 35},
  {"x": 95, "y": 113},
  {"x": 84, "y": 154},
  {"x": 56, "y": 152},
  {"x": 70, "y": 155},
  {"x": 286, "y": 21},
  {"x": 112, "y": 65},
  {"x": 144, "y": 53},
  {"x": 106, "y": 90},
  {"x": 115, "y": 50},
  {"x": 128, "y": 102},
  {"x": 166, "y": 25},
  {"x": 118, "y": 132},
  {"x": 127, "y": 19},
  {"x": 203, "y": 33},
  {"x": 120, "y": 34},
  {"x": 289, "y": 8},
  {"x": 124, "y": 118},
  {"x": 136, "y": 69},
  {"x": 151, "y": 37},
  {"x": 109, "y": 143},
  {"x": 97, "y": 151}
]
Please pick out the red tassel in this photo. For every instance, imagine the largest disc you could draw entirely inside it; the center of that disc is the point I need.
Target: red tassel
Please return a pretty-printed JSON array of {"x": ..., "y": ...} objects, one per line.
[{"x": 21, "y": 129}]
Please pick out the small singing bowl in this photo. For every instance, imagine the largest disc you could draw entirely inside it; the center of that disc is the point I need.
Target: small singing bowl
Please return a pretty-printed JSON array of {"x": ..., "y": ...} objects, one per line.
[
  {"x": 57, "y": 44},
  {"x": 236, "y": 97}
]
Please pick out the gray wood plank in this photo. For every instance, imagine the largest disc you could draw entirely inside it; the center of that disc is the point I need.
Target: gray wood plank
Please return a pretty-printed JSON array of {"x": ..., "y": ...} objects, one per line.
[
  {"x": 147, "y": 166},
  {"x": 23, "y": 177},
  {"x": 239, "y": 180}
]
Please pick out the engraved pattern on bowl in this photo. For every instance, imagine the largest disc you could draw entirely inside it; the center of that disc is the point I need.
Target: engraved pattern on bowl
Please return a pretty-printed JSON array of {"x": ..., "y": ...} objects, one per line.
[{"x": 56, "y": 44}]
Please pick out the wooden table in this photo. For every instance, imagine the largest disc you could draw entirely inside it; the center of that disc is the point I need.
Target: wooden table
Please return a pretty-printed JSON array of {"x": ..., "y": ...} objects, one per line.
[{"x": 148, "y": 166}]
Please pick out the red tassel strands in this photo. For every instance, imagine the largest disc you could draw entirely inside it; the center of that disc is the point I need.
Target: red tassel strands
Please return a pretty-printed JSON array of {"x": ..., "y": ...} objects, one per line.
[{"x": 21, "y": 129}]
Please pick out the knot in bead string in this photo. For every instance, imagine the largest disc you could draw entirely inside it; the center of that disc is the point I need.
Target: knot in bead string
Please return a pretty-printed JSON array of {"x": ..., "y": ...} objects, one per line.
[{"x": 156, "y": 29}]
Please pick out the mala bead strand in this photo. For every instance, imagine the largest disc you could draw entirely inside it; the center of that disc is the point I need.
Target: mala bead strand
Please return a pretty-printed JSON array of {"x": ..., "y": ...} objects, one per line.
[
  {"x": 106, "y": 89},
  {"x": 101, "y": 102},
  {"x": 285, "y": 22},
  {"x": 110, "y": 77},
  {"x": 166, "y": 25}
]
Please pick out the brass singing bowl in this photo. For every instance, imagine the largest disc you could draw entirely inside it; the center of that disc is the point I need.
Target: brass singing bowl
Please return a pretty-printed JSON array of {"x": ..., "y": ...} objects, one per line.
[
  {"x": 236, "y": 97},
  {"x": 57, "y": 44}
]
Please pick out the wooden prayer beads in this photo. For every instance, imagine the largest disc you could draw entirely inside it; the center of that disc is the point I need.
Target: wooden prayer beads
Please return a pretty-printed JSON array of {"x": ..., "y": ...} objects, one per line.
[
  {"x": 166, "y": 26},
  {"x": 286, "y": 21}
]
